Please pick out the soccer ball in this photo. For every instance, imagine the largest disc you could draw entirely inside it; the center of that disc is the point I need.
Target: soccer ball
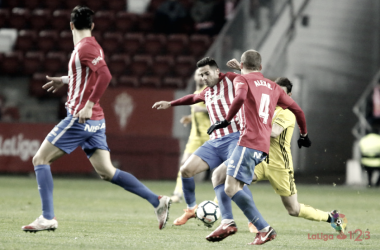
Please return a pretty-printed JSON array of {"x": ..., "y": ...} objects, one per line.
[{"x": 208, "y": 212}]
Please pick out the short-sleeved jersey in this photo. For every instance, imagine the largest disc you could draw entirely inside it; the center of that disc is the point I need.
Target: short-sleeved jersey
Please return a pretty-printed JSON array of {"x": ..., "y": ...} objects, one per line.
[
  {"x": 200, "y": 122},
  {"x": 85, "y": 60},
  {"x": 218, "y": 100},
  {"x": 280, "y": 156},
  {"x": 256, "y": 113}
]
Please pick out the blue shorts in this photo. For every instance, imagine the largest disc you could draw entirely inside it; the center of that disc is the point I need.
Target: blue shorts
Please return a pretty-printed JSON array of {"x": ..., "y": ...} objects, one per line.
[
  {"x": 241, "y": 164},
  {"x": 215, "y": 152},
  {"x": 69, "y": 134}
]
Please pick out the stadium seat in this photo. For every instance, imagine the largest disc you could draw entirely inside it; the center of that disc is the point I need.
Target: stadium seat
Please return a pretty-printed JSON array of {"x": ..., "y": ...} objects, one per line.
[
  {"x": 10, "y": 114},
  {"x": 125, "y": 22},
  {"x": 198, "y": 45},
  {"x": 146, "y": 22},
  {"x": 36, "y": 83},
  {"x": 65, "y": 41},
  {"x": 19, "y": 18},
  {"x": 40, "y": 19},
  {"x": 70, "y": 4},
  {"x": 118, "y": 64},
  {"x": 95, "y": 5},
  {"x": 173, "y": 82},
  {"x": 176, "y": 44},
  {"x": 117, "y": 5},
  {"x": 154, "y": 44},
  {"x": 163, "y": 65},
  {"x": 32, "y": 4},
  {"x": 12, "y": 3},
  {"x": 61, "y": 20},
  {"x": 26, "y": 40},
  {"x": 53, "y": 5},
  {"x": 47, "y": 40},
  {"x": 154, "y": 4},
  {"x": 185, "y": 66},
  {"x": 98, "y": 36},
  {"x": 112, "y": 42},
  {"x": 4, "y": 17},
  {"x": 141, "y": 65},
  {"x": 32, "y": 62},
  {"x": 132, "y": 43},
  {"x": 55, "y": 62},
  {"x": 128, "y": 81},
  {"x": 103, "y": 20},
  {"x": 150, "y": 82},
  {"x": 11, "y": 63}
]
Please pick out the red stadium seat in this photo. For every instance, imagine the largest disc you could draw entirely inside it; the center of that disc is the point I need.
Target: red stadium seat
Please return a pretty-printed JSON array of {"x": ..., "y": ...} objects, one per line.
[
  {"x": 117, "y": 5},
  {"x": 112, "y": 42},
  {"x": 150, "y": 82},
  {"x": 10, "y": 114},
  {"x": 129, "y": 81},
  {"x": 141, "y": 65},
  {"x": 19, "y": 18},
  {"x": 12, "y": 3},
  {"x": 125, "y": 21},
  {"x": 40, "y": 19},
  {"x": 65, "y": 41},
  {"x": 70, "y": 4},
  {"x": 199, "y": 45},
  {"x": 11, "y": 62},
  {"x": 133, "y": 42},
  {"x": 47, "y": 40},
  {"x": 118, "y": 64},
  {"x": 176, "y": 44},
  {"x": 33, "y": 62},
  {"x": 173, "y": 82},
  {"x": 55, "y": 62},
  {"x": 4, "y": 17},
  {"x": 95, "y": 5},
  {"x": 53, "y": 5},
  {"x": 32, "y": 4},
  {"x": 104, "y": 20},
  {"x": 154, "y": 44},
  {"x": 98, "y": 36},
  {"x": 26, "y": 40},
  {"x": 154, "y": 4},
  {"x": 185, "y": 66},
  {"x": 146, "y": 22},
  {"x": 163, "y": 65},
  {"x": 61, "y": 20},
  {"x": 36, "y": 83}
]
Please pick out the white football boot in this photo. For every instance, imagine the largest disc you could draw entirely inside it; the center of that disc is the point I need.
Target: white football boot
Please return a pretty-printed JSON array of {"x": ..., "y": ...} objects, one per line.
[
  {"x": 162, "y": 211},
  {"x": 41, "y": 224}
]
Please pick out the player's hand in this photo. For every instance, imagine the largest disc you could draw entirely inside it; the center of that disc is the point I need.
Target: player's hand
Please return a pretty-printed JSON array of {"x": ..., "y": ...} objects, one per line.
[
  {"x": 217, "y": 125},
  {"x": 161, "y": 105},
  {"x": 54, "y": 84},
  {"x": 304, "y": 141},
  {"x": 185, "y": 120},
  {"x": 84, "y": 115},
  {"x": 233, "y": 64}
]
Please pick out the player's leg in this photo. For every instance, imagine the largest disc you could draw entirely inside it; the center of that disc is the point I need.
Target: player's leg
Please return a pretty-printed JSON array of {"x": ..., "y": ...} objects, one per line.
[
  {"x": 369, "y": 171},
  {"x": 178, "y": 193}
]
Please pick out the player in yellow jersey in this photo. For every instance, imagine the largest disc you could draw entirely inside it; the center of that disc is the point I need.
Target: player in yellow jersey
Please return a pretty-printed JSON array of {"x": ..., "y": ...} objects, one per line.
[{"x": 198, "y": 134}]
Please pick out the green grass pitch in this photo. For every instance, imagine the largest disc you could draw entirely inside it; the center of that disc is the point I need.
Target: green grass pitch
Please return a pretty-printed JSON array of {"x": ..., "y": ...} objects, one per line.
[{"x": 93, "y": 214}]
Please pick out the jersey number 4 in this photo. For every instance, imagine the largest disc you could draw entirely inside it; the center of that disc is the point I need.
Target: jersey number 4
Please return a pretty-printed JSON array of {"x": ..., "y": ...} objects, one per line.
[{"x": 264, "y": 108}]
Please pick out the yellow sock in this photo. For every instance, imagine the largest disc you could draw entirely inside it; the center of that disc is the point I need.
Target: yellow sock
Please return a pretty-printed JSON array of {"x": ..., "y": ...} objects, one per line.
[
  {"x": 178, "y": 187},
  {"x": 216, "y": 200},
  {"x": 310, "y": 213}
]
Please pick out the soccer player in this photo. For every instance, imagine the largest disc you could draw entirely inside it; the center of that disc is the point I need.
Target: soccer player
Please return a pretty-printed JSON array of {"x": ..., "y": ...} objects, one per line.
[
  {"x": 200, "y": 122},
  {"x": 84, "y": 125},
  {"x": 256, "y": 98},
  {"x": 218, "y": 97}
]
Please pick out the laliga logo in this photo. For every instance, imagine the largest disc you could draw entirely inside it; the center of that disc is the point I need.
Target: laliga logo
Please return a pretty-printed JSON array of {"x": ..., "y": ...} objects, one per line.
[
  {"x": 123, "y": 108},
  {"x": 18, "y": 146},
  {"x": 341, "y": 221}
]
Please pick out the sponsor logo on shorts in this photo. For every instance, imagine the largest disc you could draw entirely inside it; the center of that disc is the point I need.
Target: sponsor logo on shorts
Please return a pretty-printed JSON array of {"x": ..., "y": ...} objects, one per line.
[
  {"x": 53, "y": 132},
  {"x": 93, "y": 129},
  {"x": 257, "y": 155}
]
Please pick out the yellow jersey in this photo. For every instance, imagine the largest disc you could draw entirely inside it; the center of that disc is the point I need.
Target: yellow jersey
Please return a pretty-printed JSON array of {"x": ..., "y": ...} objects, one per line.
[
  {"x": 200, "y": 122},
  {"x": 370, "y": 149},
  {"x": 280, "y": 156}
]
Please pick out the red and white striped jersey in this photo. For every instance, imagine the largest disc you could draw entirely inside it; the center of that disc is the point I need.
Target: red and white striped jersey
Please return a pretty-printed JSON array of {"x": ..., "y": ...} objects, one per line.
[
  {"x": 85, "y": 60},
  {"x": 218, "y": 100}
]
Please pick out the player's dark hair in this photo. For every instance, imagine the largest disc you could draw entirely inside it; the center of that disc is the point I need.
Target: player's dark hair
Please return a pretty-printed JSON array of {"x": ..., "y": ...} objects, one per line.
[
  {"x": 81, "y": 17},
  {"x": 207, "y": 61},
  {"x": 251, "y": 60},
  {"x": 285, "y": 82}
]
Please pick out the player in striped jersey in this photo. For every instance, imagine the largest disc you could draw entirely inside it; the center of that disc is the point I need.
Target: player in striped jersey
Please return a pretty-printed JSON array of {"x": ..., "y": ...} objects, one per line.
[
  {"x": 218, "y": 97},
  {"x": 84, "y": 125}
]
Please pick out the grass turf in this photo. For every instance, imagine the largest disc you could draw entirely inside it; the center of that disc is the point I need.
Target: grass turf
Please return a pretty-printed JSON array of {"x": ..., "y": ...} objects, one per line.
[{"x": 94, "y": 214}]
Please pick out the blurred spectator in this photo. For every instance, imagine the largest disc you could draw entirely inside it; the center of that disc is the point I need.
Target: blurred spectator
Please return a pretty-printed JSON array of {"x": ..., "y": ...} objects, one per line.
[
  {"x": 209, "y": 16},
  {"x": 2, "y": 102},
  {"x": 169, "y": 17},
  {"x": 370, "y": 153}
]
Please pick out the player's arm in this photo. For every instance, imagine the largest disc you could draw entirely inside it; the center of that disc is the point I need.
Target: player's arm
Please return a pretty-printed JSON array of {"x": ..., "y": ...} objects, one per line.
[
  {"x": 233, "y": 64},
  {"x": 198, "y": 109},
  {"x": 276, "y": 130},
  {"x": 55, "y": 83},
  {"x": 186, "y": 100},
  {"x": 185, "y": 120},
  {"x": 241, "y": 90},
  {"x": 103, "y": 78}
]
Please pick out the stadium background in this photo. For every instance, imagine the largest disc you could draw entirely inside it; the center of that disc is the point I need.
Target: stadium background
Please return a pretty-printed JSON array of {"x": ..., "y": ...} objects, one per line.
[{"x": 329, "y": 49}]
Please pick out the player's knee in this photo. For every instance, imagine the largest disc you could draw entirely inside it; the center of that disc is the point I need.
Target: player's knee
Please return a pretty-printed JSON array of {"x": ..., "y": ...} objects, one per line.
[
  {"x": 105, "y": 177},
  {"x": 229, "y": 190},
  {"x": 217, "y": 178},
  {"x": 187, "y": 171},
  {"x": 39, "y": 160}
]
